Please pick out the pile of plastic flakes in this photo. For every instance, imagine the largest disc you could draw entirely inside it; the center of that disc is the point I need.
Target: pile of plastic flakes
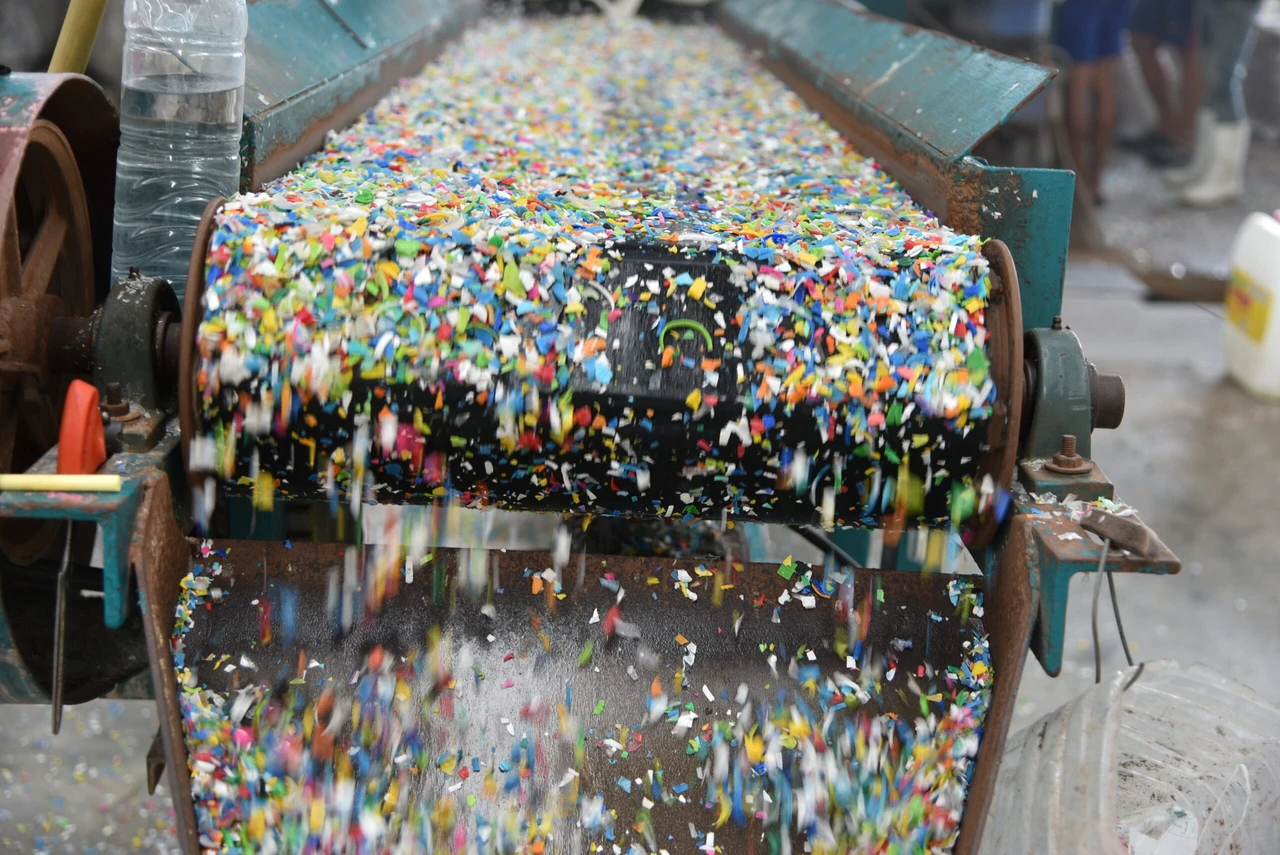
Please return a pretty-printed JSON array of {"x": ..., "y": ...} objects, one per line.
[
  {"x": 469, "y": 230},
  {"x": 404, "y": 752}
]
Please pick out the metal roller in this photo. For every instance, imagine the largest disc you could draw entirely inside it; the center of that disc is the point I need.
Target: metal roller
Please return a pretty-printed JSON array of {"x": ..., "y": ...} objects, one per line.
[{"x": 437, "y": 465}]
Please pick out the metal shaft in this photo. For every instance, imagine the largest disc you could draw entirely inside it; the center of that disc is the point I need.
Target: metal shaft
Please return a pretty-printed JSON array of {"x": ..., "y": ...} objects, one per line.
[{"x": 60, "y": 631}]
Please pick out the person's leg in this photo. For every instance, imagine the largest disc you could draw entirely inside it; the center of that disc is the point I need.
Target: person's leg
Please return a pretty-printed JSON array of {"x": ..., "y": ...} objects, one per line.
[
  {"x": 1146, "y": 49},
  {"x": 1149, "y": 27},
  {"x": 1199, "y": 119},
  {"x": 1112, "y": 26},
  {"x": 1077, "y": 33},
  {"x": 1105, "y": 123},
  {"x": 1192, "y": 91},
  {"x": 1081, "y": 86},
  {"x": 1228, "y": 39}
]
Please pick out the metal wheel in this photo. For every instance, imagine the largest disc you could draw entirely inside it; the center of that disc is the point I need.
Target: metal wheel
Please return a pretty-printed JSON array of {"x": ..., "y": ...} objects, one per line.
[
  {"x": 46, "y": 271},
  {"x": 189, "y": 355},
  {"x": 1004, "y": 327}
]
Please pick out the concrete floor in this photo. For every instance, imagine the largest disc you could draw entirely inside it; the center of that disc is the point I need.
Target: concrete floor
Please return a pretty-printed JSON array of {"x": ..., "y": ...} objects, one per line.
[
  {"x": 84, "y": 790},
  {"x": 1196, "y": 456}
]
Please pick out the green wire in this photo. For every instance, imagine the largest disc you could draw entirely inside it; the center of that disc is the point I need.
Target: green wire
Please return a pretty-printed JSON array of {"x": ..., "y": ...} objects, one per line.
[
  {"x": 484, "y": 328},
  {"x": 685, "y": 323}
]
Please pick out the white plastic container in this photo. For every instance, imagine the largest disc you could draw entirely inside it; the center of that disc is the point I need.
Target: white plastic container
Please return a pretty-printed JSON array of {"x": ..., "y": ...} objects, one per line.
[
  {"x": 1252, "y": 332},
  {"x": 180, "y": 116},
  {"x": 1162, "y": 761}
]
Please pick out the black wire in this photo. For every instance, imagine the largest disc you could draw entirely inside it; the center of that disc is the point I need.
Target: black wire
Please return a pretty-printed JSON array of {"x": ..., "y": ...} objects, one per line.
[
  {"x": 1097, "y": 589},
  {"x": 1136, "y": 674},
  {"x": 1115, "y": 607},
  {"x": 819, "y": 538}
]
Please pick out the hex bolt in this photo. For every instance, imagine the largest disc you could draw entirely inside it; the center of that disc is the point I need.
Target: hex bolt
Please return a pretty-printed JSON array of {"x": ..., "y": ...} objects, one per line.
[
  {"x": 1067, "y": 461},
  {"x": 117, "y": 407}
]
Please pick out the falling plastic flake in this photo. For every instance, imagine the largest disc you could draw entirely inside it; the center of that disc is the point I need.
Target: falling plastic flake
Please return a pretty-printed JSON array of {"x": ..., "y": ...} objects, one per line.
[{"x": 398, "y": 730}]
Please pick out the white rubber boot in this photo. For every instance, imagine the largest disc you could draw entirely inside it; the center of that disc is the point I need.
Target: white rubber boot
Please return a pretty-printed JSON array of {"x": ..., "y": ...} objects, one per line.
[
  {"x": 1223, "y": 182},
  {"x": 1201, "y": 154}
]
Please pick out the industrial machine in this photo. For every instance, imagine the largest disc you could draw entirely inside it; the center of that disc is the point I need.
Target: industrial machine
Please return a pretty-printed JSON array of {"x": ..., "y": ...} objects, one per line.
[{"x": 916, "y": 101}]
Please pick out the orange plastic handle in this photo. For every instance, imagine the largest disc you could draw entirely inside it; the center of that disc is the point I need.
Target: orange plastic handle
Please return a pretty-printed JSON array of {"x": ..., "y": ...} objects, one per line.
[{"x": 82, "y": 442}]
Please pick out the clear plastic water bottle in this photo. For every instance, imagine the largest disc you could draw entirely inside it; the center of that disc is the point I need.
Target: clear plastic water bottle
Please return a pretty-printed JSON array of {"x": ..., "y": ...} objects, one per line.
[{"x": 180, "y": 118}]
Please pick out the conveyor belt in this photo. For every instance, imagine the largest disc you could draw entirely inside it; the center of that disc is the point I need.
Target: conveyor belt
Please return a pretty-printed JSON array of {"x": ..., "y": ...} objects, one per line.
[{"x": 580, "y": 268}]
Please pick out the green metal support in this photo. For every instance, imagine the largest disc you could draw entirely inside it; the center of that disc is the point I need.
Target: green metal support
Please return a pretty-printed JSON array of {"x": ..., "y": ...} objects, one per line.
[
  {"x": 1030, "y": 210},
  {"x": 898, "y": 9},
  {"x": 1059, "y": 551},
  {"x": 1060, "y": 395},
  {"x": 244, "y": 522}
]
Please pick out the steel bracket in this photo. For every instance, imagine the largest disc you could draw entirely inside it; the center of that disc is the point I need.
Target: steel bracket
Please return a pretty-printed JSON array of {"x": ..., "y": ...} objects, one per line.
[
  {"x": 1059, "y": 548},
  {"x": 115, "y": 512}
]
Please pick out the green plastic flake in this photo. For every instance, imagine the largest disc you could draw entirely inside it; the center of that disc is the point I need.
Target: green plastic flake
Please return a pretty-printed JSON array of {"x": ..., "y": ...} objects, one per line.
[
  {"x": 599, "y": 707},
  {"x": 977, "y": 365},
  {"x": 511, "y": 279}
]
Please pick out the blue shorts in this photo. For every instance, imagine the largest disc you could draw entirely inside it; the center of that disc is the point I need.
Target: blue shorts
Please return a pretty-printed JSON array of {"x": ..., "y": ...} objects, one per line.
[
  {"x": 1090, "y": 30},
  {"x": 1171, "y": 22}
]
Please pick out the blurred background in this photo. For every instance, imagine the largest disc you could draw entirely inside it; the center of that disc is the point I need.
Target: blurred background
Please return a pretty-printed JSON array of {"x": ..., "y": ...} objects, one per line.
[{"x": 1169, "y": 111}]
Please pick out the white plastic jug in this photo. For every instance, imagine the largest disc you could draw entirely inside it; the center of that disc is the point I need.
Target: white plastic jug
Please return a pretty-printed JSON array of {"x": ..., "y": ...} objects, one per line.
[{"x": 1253, "y": 319}]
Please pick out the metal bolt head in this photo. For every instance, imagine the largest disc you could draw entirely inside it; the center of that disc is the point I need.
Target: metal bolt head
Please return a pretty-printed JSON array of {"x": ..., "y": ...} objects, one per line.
[{"x": 1057, "y": 322}]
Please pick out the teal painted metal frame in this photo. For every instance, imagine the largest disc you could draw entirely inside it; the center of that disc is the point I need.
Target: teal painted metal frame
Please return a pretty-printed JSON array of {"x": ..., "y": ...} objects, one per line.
[
  {"x": 115, "y": 512},
  {"x": 916, "y": 100},
  {"x": 315, "y": 65},
  {"x": 1053, "y": 561}
]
